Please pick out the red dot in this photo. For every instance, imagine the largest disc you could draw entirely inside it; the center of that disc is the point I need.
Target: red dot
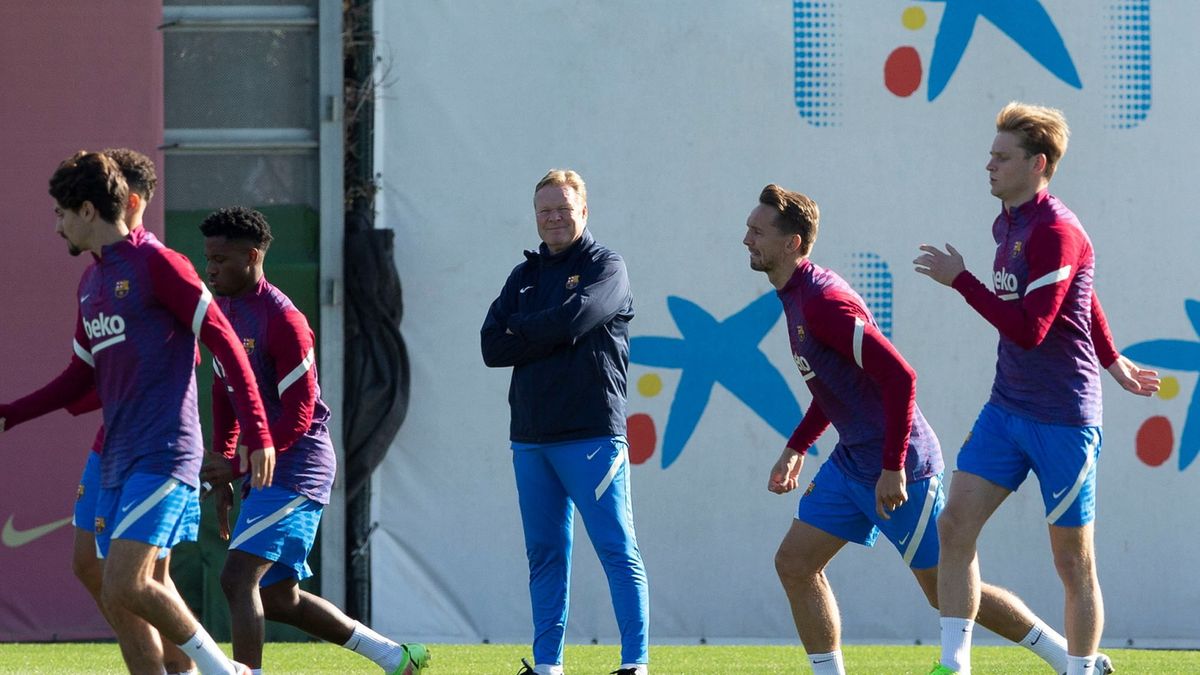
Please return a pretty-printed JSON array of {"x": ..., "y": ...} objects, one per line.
[
  {"x": 642, "y": 437},
  {"x": 902, "y": 71},
  {"x": 1155, "y": 440}
]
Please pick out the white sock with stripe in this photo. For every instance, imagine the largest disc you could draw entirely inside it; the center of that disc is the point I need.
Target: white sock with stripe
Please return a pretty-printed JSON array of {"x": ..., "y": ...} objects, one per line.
[
  {"x": 1048, "y": 645},
  {"x": 385, "y": 653},
  {"x": 956, "y": 643}
]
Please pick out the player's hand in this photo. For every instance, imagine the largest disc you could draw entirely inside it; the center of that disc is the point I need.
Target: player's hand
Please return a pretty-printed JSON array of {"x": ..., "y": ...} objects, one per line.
[
  {"x": 216, "y": 469},
  {"x": 784, "y": 473},
  {"x": 224, "y": 503},
  {"x": 262, "y": 465},
  {"x": 941, "y": 267},
  {"x": 890, "y": 493},
  {"x": 1133, "y": 378}
]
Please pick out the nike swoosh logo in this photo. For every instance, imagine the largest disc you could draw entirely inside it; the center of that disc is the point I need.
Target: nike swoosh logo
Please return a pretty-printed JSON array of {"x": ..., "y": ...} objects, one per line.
[
  {"x": 1058, "y": 494},
  {"x": 905, "y": 539},
  {"x": 593, "y": 453},
  {"x": 84, "y": 298},
  {"x": 126, "y": 508},
  {"x": 14, "y": 538},
  {"x": 250, "y": 521},
  {"x": 817, "y": 663},
  {"x": 525, "y": 289}
]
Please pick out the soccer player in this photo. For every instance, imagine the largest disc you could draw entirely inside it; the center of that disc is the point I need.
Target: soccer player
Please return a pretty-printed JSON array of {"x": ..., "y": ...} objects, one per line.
[
  {"x": 1044, "y": 411},
  {"x": 885, "y": 474},
  {"x": 141, "y": 308},
  {"x": 277, "y": 526},
  {"x": 562, "y": 323},
  {"x": 141, "y": 179}
]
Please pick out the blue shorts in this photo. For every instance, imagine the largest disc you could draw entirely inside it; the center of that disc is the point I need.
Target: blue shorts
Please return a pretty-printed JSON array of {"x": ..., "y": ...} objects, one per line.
[
  {"x": 89, "y": 490},
  {"x": 846, "y": 509},
  {"x": 279, "y": 525},
  {"x": 153, "y": 509},
  {"x": 1003, "y": 447}
]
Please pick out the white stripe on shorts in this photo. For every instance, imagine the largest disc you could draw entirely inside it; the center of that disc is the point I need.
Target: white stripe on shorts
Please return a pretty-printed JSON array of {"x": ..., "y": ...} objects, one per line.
[
  {"x": 267, "y": 521},
  {"x": 612, "y": 473},
  {"x": 147, "y": 504},
  {"x": 1073, "y": 493},
  {"x": 922, "y": 522}
]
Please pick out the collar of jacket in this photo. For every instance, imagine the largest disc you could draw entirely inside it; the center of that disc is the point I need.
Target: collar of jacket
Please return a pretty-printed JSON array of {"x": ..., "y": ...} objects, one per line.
[{"x": 547, "y": 258}]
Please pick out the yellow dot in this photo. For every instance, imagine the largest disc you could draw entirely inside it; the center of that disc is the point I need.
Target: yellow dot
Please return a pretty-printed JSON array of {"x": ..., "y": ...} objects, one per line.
[
  {"x": 1168, "y": 388},
  {"x": 649, "y": 385},
  {"x": 913, "y": 18}
]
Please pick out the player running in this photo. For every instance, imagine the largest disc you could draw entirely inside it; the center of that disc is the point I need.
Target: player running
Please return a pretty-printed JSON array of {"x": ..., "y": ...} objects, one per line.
[
  {"x": 1044, "y": 411},
  {"x": 141, "y": 179},
  {"x": 885, "y": 473},
  {"x": 277, "y": 526},
  {"x": 141, "y": 309}
]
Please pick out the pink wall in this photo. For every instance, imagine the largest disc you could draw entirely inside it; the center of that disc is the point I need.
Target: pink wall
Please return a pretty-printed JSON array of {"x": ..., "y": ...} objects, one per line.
[{"x": 74, "y": 74}]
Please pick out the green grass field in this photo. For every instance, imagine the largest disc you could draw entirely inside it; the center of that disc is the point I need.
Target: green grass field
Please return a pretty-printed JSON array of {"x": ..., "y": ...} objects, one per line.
[{"x": 290, "y": 658}]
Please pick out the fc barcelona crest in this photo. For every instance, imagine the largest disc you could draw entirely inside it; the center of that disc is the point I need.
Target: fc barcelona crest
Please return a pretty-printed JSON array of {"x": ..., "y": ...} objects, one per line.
[
  {"x": 811, "y": 486},
  {"x": 122, "y": 288},
  {"x": 1016, "y": 249},
  {"x": 248, "y": 343},
  {"x": 800, "y": 333},
  {"x": 99, "y": 525},
  {"x": 572, "y": 281}
]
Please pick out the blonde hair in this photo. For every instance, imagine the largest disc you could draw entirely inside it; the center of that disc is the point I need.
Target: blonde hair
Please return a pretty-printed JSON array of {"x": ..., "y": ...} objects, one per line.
[
  {"x": 564, "y": 177},
  {"x": 1039, "y": 130}
]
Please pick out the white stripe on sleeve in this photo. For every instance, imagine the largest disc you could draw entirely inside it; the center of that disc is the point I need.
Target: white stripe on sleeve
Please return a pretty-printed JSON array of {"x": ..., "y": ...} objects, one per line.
[
  {"x": 201, "y": 309},
  {"x": 298, "y": 372},
  {"x": 83, "y": 354},
  {"x": 1054, "y": 277},
  {"x": 859, "y": 329}
]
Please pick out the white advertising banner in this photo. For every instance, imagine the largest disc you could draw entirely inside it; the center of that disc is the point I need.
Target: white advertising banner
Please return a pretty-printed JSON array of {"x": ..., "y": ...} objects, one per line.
[{"x": 677, "y": 114}]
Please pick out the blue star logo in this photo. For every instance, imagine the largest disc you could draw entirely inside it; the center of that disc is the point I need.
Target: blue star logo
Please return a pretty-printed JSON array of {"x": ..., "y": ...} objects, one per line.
[
  {"x": 1025, "y": 21},
  {"x": 712, "y": 352},
  {"x": 1178, "y": 355}
]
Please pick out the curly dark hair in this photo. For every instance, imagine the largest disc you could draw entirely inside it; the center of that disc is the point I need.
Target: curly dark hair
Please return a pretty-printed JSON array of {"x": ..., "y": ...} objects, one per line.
[
  {"x": 90, "y": 177},
  {"x": 137, "y": 168},
  {"x": 238, "y": 222}
]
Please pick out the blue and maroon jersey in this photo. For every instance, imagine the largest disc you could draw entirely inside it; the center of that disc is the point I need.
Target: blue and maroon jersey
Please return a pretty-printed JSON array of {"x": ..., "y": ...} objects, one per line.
[
  {"x": 859, "y": 382},
  {"x": 1053, "y": 334},
  {"x": 280, "y": 345},
  {"x": 141, "y": 307}
]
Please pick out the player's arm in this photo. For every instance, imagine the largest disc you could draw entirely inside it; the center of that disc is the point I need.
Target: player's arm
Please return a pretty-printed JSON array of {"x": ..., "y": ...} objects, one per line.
[
  {"x": 500, "y": 347},
  {"x": 290, "y": 346},
  {"x": 1132, "y": 377},
  {"x": 177, "y": 288},
  {"x": 1053, "y": 255},
  {"x": 85, "y": 404},
  {"x": 74, "y": 382},
  {"x": 602, "y": 292},
  {"x": 843, "y": 324},
  {"x": 784, "y": 474}
]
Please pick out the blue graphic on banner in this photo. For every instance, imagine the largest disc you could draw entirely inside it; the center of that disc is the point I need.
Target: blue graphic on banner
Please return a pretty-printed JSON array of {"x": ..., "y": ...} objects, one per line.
[
  {"x": 724, "y": 352},
  {"x": 817, "y": 60},
  {"x": 1025, "y": 21},
  {"x": 1128, "y": 56},
  {"x": 871, "y": 277}
]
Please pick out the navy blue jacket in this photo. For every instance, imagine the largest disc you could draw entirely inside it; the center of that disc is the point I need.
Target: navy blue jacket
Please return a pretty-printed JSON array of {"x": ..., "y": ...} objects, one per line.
[{"x": 569, "y": 316}]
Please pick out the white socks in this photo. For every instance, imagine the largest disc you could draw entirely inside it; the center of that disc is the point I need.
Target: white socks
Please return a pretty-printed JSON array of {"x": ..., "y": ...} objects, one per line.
[
  {"x": 827, "y": 664},
  {"x": 207, "y": 656},
  {"x": 1081, "y": 665},
  {"x": 385, "y": 653},
  {"x": 638, "y": 668},
  {"x": 1047, "y": 644},
  {"x": 956, "y": 643},
  {"x": 547, "y": 669}
]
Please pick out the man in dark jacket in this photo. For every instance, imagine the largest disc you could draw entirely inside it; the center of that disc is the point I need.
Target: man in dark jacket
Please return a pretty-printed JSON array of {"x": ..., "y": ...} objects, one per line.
[{"x": 562, "y": 323}]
